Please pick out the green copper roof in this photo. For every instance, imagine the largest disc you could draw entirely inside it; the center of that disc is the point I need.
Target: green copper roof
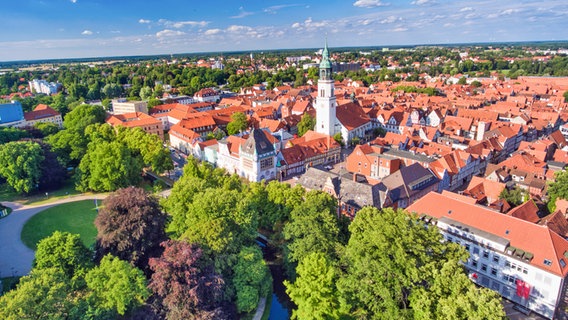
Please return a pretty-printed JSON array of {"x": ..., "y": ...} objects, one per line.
[{"x": 325, "y": 63}]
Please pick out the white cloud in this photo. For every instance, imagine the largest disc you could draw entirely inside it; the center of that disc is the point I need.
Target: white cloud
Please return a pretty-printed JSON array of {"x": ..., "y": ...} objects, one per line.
[
  {"x": 296, "y": 25},
  {"x": 181, "y": 24},
  {"x": 465, "y": 9},
  {"x": 391, "y": 19},
  {"x": 115, "y": 31},
  {"x": 506, "y": 12},
  {"x": 87, "y": 32},
  {"x": 242, "y": 14},
  {"x": 144, "y": 21},
  {"x": 423, "y": 2},
  {"x": 73, "y": 1},
  {"x": 274, "y": 9},
  {"x": 169, "y": 33},
  {"x": 211, "y": 32},
  {"x": 369, "y": 3},
  {"x": 399, "y": 29}
]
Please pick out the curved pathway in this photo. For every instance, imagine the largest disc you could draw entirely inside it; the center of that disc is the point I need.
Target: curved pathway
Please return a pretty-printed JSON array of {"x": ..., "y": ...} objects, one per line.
[{"x": 15, "y": 258}]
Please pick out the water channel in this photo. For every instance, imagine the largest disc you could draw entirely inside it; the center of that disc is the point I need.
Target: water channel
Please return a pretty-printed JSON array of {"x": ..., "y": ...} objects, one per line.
[{"x": 281, "y": 304}]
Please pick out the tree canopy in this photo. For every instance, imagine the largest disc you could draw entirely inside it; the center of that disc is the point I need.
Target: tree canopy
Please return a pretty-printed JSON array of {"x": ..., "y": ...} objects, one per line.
[
  {"x": 237, "y": 124},
  {"x": 116, "y": 286},
  {"x": 20, "y": 165},
  {"x": 306, "y": 123},
  {"x": 130, "y": 226},
  {"x": 186, "y": 283}
]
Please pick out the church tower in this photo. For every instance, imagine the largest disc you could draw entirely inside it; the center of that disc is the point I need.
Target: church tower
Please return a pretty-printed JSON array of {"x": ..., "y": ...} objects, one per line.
[{"x": 325, "y": 101}]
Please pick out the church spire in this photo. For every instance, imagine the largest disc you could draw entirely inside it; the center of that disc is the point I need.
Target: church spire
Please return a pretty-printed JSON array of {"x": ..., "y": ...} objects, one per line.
[{"x": 325, "y": 64}]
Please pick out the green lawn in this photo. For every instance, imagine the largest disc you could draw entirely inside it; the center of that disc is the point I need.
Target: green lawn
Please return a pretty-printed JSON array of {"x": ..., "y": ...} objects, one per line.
[
  {"x": 7, "y": 194},
  {"x": 74, "y": 217}
]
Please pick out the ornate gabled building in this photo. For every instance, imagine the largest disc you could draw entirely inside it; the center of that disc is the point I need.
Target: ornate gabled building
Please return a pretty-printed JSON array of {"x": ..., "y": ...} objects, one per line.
[{"x": 257, "y": 157}]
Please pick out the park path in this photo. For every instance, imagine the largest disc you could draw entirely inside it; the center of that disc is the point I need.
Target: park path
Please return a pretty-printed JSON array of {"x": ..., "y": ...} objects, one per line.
[{"x": 15, "y": 258}]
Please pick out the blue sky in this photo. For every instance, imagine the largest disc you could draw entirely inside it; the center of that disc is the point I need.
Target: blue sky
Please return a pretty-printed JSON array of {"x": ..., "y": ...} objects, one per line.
[{"x": 42, "y": 29}]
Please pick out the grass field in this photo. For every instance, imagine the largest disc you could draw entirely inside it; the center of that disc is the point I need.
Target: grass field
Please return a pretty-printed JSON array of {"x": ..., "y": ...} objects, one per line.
[
  {"x": 74, "y": 217},
  {"x": 7, "y": 194}
]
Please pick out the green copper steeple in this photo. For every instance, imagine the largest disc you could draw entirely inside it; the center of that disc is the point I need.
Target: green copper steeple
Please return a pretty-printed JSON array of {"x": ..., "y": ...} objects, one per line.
[{"x": 325, "y": 64}]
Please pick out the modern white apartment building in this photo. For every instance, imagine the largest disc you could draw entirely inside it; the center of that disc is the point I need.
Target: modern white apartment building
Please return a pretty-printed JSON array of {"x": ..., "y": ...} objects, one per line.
[
  {"x": 42, "y": 86},
  {"x": 524, "y": 262}
]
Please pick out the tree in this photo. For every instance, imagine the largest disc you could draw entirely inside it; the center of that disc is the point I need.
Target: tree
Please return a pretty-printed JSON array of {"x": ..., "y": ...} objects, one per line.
[
  {"x": 149, "y": 146},
  {"x": 313, "y": 227},
  {"x": 394, "y": 243},
  {"x": 565, "y": 95},
  {"x": 8, "y": 134},
  {"x": 513, "y": 196},
  {"x": 314, "y": 291},
  {"x": 116, "y": 286},
  {"x": 47, "y": 128},
  {"x": 130, "y": 226},
  {"x": 339, "y": 138},
  {"x": 108, "y": 166},
  {"x": 53, "y": 173},
  {"x": 186, "y": 283},
  {"x": 145, "y": 93},
  {"x": 452, "y": 295},
  {"x": 306, "y": 123},
  {"x": 237, "y": 124},
  {"x": 557, "y": 189},
  {"x": 20, "y": 165},
  {"x": 44, "y": 294},
  {"x": 220, "y": 220},
  {"x": 462, "y": 80},
  {"x": 252, "y": 278},
  {"x": 64, "y": 252},
  {"x": 83, "y": 116}
]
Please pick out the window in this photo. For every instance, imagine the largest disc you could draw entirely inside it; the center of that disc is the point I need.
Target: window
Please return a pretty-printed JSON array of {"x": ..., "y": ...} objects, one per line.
[
  {"x": 467, "y": 246},
  {"x": 547, "y": 262},
  {"x": 525, "y": 271},
  {"x": 485, "y": 254},
  {"x": 507, "y": 263},
  {"x": 493, "y": 272},
  {"x": 475, "y": 250},
  {"x": 474, "y": 263},
  {"x": 483, "y": 267}
]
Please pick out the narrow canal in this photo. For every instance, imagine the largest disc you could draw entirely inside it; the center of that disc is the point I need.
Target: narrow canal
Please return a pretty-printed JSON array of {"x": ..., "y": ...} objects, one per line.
[{"x": 281, "y": 306}]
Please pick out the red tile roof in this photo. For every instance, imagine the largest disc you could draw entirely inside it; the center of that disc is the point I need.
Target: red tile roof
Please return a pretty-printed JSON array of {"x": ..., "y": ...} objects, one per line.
[{"x": 543, "y": 243}]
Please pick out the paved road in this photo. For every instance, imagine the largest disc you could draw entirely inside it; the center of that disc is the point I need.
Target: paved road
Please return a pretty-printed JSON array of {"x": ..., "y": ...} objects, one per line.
[{"x": 15, "y": 258}]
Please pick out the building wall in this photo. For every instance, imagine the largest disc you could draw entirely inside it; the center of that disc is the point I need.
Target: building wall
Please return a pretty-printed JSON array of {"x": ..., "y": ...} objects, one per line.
[
  {"x": 498, "y": 271},
  {"x": 121, "y": 107}
]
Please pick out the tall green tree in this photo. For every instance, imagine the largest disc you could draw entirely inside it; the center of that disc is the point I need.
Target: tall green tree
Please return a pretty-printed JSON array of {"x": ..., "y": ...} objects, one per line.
[
  {"x": 20, "y": 165},
  {"x": 314, "y": 291},
  {"x": 313, "y": 227},
  {"x": 43, "y": 294},
  {"x": 252, "y": 278},
  {"x": 393, "y": 262},
  {"x": 219, "y": 220},
  {"x": 83, "y": 116},
  {"x": 306, "y": 123},
  {"x": 108, "y": 166},
  {"x": 116, "y": 286},
  {"x": 237, "y": 124},
  {"x": 557, "y": 189},
  {"x": 64, "y": 252},
  {"x": 8, "y": 134}
]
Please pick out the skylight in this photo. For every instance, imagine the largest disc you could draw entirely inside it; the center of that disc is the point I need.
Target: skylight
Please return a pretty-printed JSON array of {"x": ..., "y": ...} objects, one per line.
[{"x": 547, "y": 262}]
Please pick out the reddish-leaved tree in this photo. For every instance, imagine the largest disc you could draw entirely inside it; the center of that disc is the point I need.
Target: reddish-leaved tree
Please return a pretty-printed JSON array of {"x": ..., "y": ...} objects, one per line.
[
  {"x": 131, "y": 226},
  {"x": 185, "y": 282}
]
